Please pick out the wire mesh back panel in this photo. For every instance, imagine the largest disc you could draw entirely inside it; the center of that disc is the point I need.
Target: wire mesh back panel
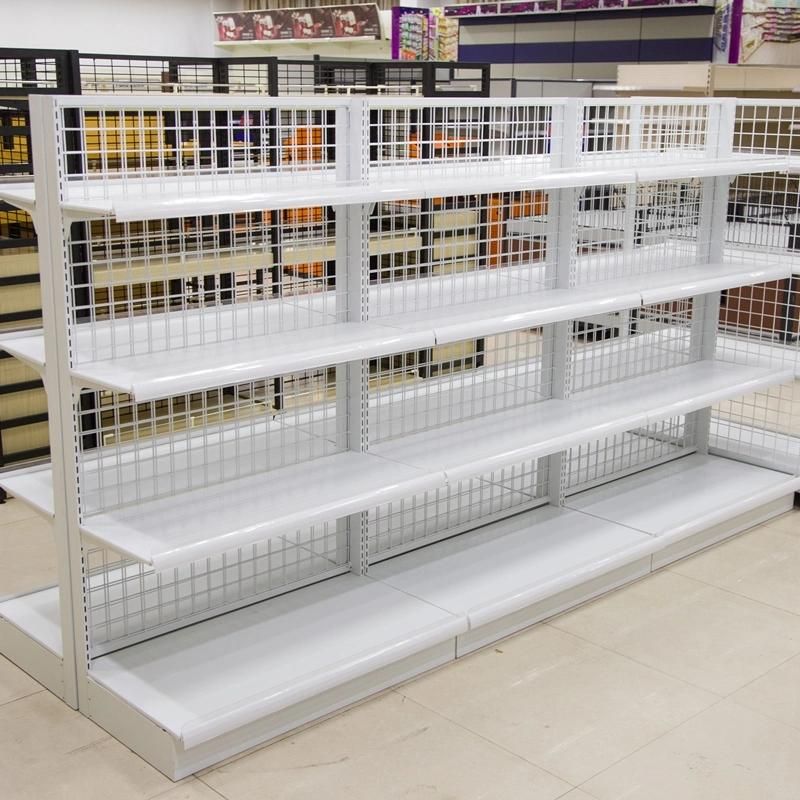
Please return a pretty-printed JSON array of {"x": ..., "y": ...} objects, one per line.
[
  {"x": 172, "y": 283},
  {"x": 166, "y": 284},
  {"x": 613, "y": 130},
  {"x": 617, "y": 347},
  {"x": 760, "y": 324},
  {"x": 468, "y": 139}
]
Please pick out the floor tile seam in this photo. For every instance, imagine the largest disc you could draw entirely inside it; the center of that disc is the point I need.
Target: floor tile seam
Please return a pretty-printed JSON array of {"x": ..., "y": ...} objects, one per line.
[
  {"x": 639, "y": 663},
  {"x": 574, "y": 789},
  {"x": 487, "y": 740},
  {"x": 758, "y": 710},
  {"x": 104, "y": 737},
  {"x": 5, "y": 703},
  {"x": 34, "y": 516},
  {"x": 180, "y": 783},
  {"x": 652, "y": 741},
  {"x": 733, "y": 592}
]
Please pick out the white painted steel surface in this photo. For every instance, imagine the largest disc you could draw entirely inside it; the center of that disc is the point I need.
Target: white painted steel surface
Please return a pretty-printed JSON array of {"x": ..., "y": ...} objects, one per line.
[
  {"x": 206, "y": 680},
  {"x": 33, "y": 486},
  {"x": 156, "y": 198},
  {"x": 477, "y": 446},
  {"x": 508, "y": 565},
  {"x": 202, "y": 522},
  {"x": 685, "y": 496},
  {"x": 38, "y": 616}
]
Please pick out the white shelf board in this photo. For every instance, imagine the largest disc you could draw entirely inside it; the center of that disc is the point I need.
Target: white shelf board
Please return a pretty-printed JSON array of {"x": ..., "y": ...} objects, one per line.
[
  {"x": 685, "y": 496},
  {"x": 33, "y": 486},
  {"x": 206, "y": 680},
  {"x": 535, "y": 308},
  {"x": 476, "y": 446},
  {"x": 38, "y": 616},
  {"x": 501, "y": 568},
  {"x": 483, "y": 302},
  {"x": 168, "y": 372},
  {"x": 202, "y": 522},
  {"x": 22, "y": 195},
  {"x": 133, "y": 199},
  {"x": 27, "y": 346}
]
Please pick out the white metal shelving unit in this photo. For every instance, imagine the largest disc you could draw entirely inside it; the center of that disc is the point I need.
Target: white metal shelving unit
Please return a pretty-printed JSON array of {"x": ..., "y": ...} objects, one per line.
[{"x": 256, "y": 492}]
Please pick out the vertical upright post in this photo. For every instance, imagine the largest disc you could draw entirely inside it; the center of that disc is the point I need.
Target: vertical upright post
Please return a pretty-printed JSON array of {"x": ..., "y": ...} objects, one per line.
[
  {"x": 711, "y": 244},
  {"x": 57, "y": 302},
  {"x": 352, "y": 305},
  {"x": 559, "y": 272}
]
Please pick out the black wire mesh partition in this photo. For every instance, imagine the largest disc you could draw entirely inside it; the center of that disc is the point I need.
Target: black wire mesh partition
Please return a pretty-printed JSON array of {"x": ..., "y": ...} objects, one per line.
[
  {"x": 23, "y": 414},
  {"x": 23, "y": 420}
]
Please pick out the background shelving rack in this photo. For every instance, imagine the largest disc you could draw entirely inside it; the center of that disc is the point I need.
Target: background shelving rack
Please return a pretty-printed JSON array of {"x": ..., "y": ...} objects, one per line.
[
  {"x": 23, "y": 419},
  {"x": 213, "y": 452}
]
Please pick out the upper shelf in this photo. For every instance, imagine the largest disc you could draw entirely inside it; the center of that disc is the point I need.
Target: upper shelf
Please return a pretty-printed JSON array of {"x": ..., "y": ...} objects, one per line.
[
  {"x": 502, "y": 300},
  {"x": 133, "y": 198}
]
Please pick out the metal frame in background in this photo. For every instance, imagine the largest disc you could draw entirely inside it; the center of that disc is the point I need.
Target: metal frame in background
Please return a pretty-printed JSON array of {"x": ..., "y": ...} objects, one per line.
[
  {"x": 70, "y": 72},
  {"x": 24, "y": 73}
]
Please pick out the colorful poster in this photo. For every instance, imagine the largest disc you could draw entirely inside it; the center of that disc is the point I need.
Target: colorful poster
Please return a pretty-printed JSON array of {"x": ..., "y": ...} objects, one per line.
[
  {"x": 323, "y": 22},
  {"x": 409, "y": 33},
  {"x": 522, "y": 7}
]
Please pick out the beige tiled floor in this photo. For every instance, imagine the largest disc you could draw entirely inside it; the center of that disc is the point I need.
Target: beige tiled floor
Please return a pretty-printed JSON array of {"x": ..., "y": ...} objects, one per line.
[{"x": 684, "y": 686}]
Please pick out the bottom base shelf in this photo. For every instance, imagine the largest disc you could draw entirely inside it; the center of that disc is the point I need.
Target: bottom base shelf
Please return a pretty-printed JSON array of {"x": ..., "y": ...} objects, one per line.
[
  {"x": 193, "y": 697},
  {"x": 30, "y": 636}
]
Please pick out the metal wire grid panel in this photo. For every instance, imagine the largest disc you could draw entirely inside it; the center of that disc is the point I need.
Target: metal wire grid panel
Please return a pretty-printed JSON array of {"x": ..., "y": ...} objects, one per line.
[
  {"x": 761, "y": 323},
  {"x": 615, "y": 129},
  {"x": 761, "y": 428},
  {"x": 110, "y": 74},
  {"x": 133, "y": 452},
  {"x": 461, "y": 138},
  {"x": 653, "y": 226},
  {"x": 764, "y": 209},
  {"x": 32, "y": 71},
  {"x": 440, "y": 252},
  {"x": 631, "y": 343},
  {"x": 417, "y": 393},
  {"x": 23, "y": 403},
  {"x": 184, "y": 146},
  {"x": 617, "y": 347},
  {"x": 613, "y": 457},
  {"x": 759, "y": 326},
  {"x": 172, "y": 283},
  {"x": 128, "y": 601}
]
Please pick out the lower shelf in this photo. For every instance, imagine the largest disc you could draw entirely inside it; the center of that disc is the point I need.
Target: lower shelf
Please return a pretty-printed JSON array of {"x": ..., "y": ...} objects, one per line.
[
  {"x": 204, "y": 681},
  {"x": 685, "y": 498},
  {"x": 226, "y": 684},
  {"x": 30, "y": 636},
  {"x": 38, "y": 616}
]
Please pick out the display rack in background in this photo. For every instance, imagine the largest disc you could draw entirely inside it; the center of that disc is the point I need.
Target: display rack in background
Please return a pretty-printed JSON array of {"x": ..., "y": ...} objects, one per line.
[
  {"x": 23, "y": 416},
  {"x": 513, "y": 398},
  {"x": 23, "y": 404}
]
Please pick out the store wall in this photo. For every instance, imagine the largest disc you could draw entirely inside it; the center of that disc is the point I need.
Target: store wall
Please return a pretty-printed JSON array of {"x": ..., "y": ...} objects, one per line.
[
  {"x": 585, "y": 45},
  {"x": 132, "y": 27}
]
